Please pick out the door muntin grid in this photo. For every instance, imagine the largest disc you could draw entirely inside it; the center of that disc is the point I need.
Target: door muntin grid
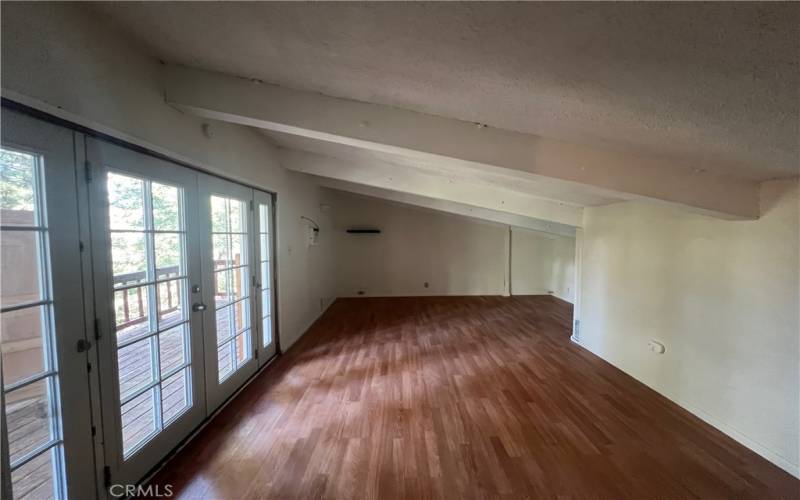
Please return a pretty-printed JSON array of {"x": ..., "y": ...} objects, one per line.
[
  {"x": 147, "y": 235},
  {"x": 229, "y": 241},
  {"x": 265, "y": 280},
  {"x": 32, "y": 407}
]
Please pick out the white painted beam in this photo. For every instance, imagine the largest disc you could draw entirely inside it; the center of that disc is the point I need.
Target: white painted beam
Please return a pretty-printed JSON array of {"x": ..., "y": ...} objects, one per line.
[
  {"x": 385, "y": 176},
  {"x": 413, "y": 134}
]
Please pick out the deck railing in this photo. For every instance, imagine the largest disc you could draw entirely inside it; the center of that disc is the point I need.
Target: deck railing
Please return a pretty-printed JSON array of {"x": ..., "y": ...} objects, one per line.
[{"x": 133, "y": 299}]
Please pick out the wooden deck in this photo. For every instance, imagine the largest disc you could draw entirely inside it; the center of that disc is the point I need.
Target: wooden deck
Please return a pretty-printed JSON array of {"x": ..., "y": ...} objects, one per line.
[
  {"x": 137, "y": 416},
  {"x": 136, "y": 370}
]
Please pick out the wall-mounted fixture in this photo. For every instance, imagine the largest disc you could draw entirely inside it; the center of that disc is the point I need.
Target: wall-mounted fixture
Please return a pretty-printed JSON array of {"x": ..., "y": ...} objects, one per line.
[
  {"x": 313, "y": 231},
  {"x": 363, "y": 230}
]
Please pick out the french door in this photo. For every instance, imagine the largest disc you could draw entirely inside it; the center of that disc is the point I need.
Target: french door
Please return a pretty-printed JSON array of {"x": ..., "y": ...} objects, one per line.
[
  {"x": 146, "y": 279},
  {"x": 136, "y": 297},
  {"x": 177, "y": 268},
  {"x": 46, "y": 416},
  {"x": 229, "y": 265}
]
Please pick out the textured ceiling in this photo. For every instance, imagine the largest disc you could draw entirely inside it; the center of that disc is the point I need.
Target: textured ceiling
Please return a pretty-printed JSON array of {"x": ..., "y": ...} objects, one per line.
[{"x": 711, "y": 83}]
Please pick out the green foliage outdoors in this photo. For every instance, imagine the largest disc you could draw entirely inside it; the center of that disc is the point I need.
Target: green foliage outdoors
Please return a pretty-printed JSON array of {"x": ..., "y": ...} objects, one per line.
[{"x": 16, "y": 180}]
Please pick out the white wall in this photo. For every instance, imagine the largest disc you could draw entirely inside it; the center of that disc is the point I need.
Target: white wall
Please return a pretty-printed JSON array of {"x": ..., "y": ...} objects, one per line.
[
  {"x": 722, "y": 296},
  {"x": 455, "y": 255},
  {"x": 57, "y": 54},
  {"x": 542, "y": 263}
]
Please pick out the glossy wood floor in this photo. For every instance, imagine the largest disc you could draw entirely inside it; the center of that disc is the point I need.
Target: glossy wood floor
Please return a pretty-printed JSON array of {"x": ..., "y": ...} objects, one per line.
[{"x": 481, "y": 397}]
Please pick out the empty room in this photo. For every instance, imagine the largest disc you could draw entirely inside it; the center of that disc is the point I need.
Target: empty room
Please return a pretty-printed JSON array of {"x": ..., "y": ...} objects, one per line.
[{"x": 399, "y": 250}]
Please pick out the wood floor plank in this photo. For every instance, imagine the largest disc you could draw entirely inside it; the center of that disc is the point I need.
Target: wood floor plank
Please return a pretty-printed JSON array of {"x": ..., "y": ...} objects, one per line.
[{"x": 459, "y": 397}]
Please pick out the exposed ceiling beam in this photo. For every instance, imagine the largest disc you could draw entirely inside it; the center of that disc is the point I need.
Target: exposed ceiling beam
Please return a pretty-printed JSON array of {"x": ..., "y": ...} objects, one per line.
[
  {"x": 450, "y": 207},
  {"x": 428, "y": 137},
  {"x": 386, "y": 176},
  {"x": 455, "y": 171}
]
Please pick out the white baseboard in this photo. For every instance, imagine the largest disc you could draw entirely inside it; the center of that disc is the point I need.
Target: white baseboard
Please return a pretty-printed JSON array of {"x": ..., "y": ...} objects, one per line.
[{"x": 737, "y": 435}]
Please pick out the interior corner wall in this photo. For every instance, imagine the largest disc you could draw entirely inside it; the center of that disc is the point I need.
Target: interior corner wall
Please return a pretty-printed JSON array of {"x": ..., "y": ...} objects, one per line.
[
  {"x": 62, "y": 55},
  {"x": 723, "y": 297},
  {"x": 455, "y": 255},
  {"x": 542, "y": 264}
]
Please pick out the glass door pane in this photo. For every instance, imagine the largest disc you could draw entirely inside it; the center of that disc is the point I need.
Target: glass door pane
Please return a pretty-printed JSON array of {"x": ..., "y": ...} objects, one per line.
[
  {"x": 265, "y": 281},
  {"x": 47, "y": 423},
  {"x": 148, "y": 241},
  {"x": 231, "y": 283},
  {"x": 30, "y": 374},
  {"x": 154, "y": 353},
  {"x": 227, "y": 262}
]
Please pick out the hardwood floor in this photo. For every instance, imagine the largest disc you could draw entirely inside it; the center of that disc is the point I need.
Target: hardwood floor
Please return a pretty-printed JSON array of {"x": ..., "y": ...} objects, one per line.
[{"x": 459, "y": 397}]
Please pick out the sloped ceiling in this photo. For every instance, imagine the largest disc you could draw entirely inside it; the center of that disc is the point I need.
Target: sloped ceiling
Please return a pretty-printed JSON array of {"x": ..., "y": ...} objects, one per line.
[
  {"x": 711, "y": 86},
  {"x": 716, "y": 82}
]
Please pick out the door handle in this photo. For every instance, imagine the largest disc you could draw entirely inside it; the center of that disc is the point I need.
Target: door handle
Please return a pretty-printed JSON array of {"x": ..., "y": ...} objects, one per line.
[{"x": 199, "y": 306}]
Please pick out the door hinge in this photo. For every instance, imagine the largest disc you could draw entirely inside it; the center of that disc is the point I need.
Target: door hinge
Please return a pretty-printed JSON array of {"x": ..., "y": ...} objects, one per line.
[
  {"x": 96, "y": 329},
  {"x": 88, "y": 368},
  {"x": 107, "y": 476},
  {"x": 83, "y": 345},
  {"x": 252, "y": 205},
  {"x": 81, "y": 247},
  {"x": 87, "y": 170},
  {"x": 255, "y": 353},
  {"x": 94, "y": 431},
  {"x": 254, "y": 281}
]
